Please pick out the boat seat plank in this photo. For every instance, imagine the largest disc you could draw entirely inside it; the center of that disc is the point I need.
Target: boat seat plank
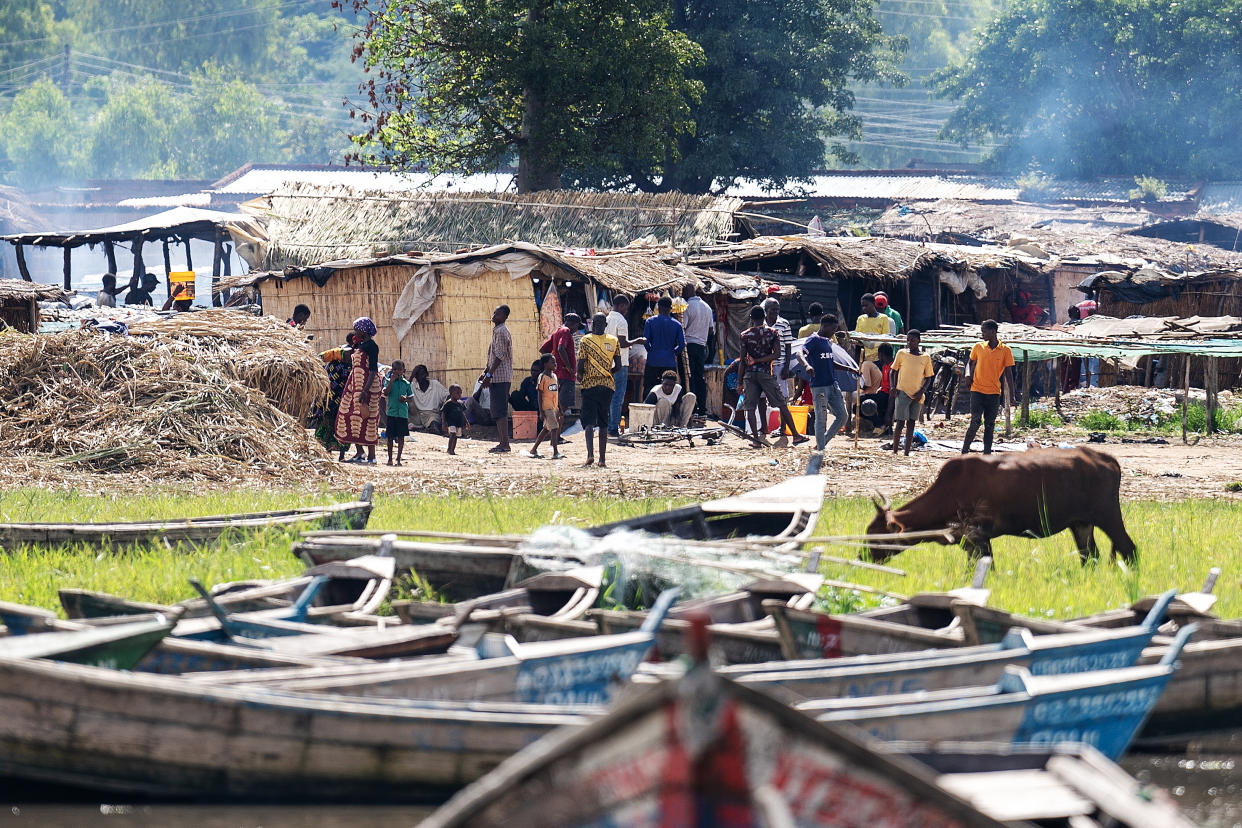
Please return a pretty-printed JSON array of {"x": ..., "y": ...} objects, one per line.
[{"x": 1018, "y": 795}]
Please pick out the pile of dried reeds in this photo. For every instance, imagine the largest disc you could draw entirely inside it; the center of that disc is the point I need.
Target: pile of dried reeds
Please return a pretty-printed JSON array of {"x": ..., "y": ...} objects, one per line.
[
  {"x": 115, "y": 403},
  {"x": 262, "y": 352}
]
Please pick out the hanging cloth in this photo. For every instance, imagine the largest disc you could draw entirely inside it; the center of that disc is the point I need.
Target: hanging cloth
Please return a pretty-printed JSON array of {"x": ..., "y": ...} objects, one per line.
[{"x": 550, "y": 313}]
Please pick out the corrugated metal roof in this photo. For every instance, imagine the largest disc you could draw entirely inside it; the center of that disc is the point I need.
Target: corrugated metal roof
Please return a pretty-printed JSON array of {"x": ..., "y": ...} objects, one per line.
[
  {"x": 1220, "y": 197},
  {"x": 263, "y": 181},
  {"x": 891, "y": 188}
]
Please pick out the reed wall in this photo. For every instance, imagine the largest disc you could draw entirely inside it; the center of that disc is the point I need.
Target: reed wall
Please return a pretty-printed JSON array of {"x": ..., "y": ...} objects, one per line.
[{"x": 450, "y": 338}]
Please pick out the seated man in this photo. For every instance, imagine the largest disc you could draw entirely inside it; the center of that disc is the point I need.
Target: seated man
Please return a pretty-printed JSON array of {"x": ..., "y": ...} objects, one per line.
[
  {"x": 526, "y": 396},
  {"x": 875, "y": 381},
  {"x": 141, "y": 295},
  {"x": 674, "y": 404},
  {"x": 426, "y": 401}
]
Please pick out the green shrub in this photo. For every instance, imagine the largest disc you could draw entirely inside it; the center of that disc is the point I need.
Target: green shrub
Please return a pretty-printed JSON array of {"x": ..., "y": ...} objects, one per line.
[
  {"x": 1149, "y": 188},
  {"x": 1101, "y": 421},
  {"x": 1043, "y": 418},
  {"x": 1034, "y": 184}
]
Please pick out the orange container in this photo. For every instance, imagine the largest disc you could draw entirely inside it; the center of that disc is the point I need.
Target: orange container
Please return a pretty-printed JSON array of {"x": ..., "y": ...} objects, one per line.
[{"x": 525, "y": 425}]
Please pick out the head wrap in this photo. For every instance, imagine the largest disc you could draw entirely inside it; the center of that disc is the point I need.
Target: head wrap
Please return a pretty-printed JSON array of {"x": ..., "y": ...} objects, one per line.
[
  {"x": 364, "y": 325},
  {"x": 881, "y": 302}
]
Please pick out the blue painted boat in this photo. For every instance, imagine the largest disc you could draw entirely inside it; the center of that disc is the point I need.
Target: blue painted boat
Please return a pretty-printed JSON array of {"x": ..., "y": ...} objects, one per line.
[
  {"x": 582, "y": 671},
  {"x": 965, "y": 667},
  {"x": 1102, "y": 708}
]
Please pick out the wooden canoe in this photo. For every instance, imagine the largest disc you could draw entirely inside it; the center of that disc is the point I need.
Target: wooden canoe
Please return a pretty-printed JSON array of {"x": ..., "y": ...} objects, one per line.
[
  {"x": 812, "y": 634},
  {"x": 1101, "y": 708},
  {"x": 116, "y": 647},
  {"x": 705, "y": 751},
  {"x": 130, "y": 734},
  {"x": 196, "y": 530},
  {"x": 1063, "y": 786},
  {"x": 561, "y": 595}
]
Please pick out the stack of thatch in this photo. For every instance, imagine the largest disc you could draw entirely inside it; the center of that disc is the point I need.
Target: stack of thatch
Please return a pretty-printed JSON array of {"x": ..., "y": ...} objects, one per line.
[
  {"x": 191, "y": 404},
  {"x": 261, "y": 351}
]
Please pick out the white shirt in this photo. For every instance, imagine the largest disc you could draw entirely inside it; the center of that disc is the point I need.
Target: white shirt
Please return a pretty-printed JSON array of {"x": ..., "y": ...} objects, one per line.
[
  {"x": 105, "y": 300},
  {"x": 698, "y": 320},
  {"x": 430, "y": 400},
  {"x": 619, "y": 327},
  {"x": 671, "y": 399}
]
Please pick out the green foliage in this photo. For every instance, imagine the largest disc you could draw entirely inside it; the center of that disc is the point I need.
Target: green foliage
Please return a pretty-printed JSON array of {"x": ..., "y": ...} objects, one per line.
[
  {"x": 1101, "y": 421},
  {"x": 42, "y": 131},
  {"x": 464, "y": 85},
  {"x": 776, "y": 90},
  {"x": 1095, "y": 87},
  {"x": 1235, "y": 486},
  {"x": 1034, "y": 184},
  {"x": 1148, "y": 189},
  {"x": 1043, "y": 418}
]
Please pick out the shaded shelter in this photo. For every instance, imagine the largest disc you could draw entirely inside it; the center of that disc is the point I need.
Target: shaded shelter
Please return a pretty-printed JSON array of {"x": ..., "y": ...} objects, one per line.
[{"x": 19, "y": 303}]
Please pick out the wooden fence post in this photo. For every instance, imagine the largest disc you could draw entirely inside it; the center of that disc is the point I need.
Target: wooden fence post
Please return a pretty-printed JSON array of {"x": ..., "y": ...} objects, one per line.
[
  {"x": 1185, "y": 394},
  {"x": 1211, "y": 381},
  {"x": 1026, "y": 389},
  {"x": 68, "y": 268}
]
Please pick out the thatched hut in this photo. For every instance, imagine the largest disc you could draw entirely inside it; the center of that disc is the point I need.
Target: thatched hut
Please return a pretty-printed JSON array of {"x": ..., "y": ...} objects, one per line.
[
  {"x": 19, "y": 303},
  {"x": 300, "y": 225},
  {"x": 930, "y": 284},
  {"x": 436, "y": 310}
]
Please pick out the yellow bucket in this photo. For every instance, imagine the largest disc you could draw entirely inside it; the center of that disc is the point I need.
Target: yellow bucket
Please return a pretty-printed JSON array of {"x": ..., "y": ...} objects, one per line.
[
  {"x": 185, "y": 278},
  {"x": 800, "y": 413}
]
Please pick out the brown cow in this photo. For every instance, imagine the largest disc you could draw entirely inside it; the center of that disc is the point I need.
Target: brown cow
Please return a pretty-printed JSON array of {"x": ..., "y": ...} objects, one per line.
[{"x": 1037, "y": 493}]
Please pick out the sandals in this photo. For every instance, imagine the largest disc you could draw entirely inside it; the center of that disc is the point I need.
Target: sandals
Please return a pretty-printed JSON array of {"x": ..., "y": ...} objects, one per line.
[{"x": 499, "y": 450}]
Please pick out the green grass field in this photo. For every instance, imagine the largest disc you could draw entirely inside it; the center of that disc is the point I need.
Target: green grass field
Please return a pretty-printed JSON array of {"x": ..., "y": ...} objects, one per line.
[{"x": 1178, "y": 542}]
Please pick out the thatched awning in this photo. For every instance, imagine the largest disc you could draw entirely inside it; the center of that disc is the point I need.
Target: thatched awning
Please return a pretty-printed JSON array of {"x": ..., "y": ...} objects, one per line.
[
  {"x": 177, "y": 223},
  {"x": 17, "y": 290},
  {"x": 879, "y": 259},
  {"x": 306, "y": 224}
]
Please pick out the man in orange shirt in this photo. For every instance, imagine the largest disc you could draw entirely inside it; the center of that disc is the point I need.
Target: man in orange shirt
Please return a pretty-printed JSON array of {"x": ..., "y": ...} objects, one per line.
[{"x": 990, "y": 361}]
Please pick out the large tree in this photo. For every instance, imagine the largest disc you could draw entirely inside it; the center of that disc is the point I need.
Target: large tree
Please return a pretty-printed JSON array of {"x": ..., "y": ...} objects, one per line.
[
  {"x": 777, "y": 91},
  {"x": 463, "y": 85},
  {"x": 1095, "y": 87}
]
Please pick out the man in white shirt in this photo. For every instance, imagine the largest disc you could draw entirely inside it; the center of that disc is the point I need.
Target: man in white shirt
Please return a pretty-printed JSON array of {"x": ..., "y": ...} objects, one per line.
[
  {"x": 674, "y": 405},
  {"x": 619, "y": 326},
  {"x": 699, "y": 322},
  {"x": 426, "y": 399},
  {"x": 106, "y": 298}
]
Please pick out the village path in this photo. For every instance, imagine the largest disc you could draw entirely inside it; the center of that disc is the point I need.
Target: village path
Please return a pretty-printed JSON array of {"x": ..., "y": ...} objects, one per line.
[{"x": 1172, "y": 471}]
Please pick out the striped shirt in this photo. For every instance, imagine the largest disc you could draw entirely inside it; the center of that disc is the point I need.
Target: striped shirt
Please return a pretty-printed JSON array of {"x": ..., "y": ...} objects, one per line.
[
  {"x": 596, "y": 353},
  {"x": 500, "y": 353}
]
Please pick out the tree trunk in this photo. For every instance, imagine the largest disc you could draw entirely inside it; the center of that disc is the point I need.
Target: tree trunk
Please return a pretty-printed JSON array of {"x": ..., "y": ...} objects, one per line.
[{"x": 537, "y": 170}]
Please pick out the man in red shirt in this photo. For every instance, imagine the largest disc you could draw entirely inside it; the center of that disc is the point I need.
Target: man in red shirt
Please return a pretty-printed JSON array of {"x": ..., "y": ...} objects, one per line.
[{"x": 561, "y": 346}]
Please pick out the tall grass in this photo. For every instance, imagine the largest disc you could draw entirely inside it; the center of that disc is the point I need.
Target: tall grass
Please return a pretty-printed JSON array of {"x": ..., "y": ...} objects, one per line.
[{"x": 1178, "y": 542}]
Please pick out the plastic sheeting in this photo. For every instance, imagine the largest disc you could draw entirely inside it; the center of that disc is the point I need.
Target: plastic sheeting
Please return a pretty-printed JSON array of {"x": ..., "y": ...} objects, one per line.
[{"x": 421, "y": 291}]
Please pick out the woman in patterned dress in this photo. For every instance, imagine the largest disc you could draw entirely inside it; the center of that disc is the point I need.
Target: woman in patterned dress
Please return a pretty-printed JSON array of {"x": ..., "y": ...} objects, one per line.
[{"x": 357, "y": 421}]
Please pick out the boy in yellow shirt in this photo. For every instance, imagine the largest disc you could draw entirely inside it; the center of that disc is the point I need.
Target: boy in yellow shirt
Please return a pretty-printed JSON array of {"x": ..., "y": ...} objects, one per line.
[
  {"x": 990, "y": 361},
  {"x": 910, "y": 379},
  {"x": 873, "y": 322}
]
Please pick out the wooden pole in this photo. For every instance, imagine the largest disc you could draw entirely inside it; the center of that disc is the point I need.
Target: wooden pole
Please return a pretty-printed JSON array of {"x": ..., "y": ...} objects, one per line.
[
  {"x": 1211, "y": 380},
  {"x": 1056, "y": 384},
  {"x": 1026, "y": 389},
  {"x": 167, "y": 263},
  {"x": 22, "y": 268},
  {"x": 1007, "y": 401},
  {"x": 189, "y": 260},
  {"x": 216, "y": 256},
  {"x": 1147, "y": 372},
  {"x": 110, "y": 252},
  {"x": 139, "y": 267},
  {"x": 857, "y": 416},
  {"x": 1185, "y": 393},
  {"x": 68, "y": 268}
]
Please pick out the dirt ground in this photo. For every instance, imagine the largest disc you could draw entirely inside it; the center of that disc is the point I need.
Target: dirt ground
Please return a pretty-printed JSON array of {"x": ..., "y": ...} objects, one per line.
[{"x": 1171, "y": 471}]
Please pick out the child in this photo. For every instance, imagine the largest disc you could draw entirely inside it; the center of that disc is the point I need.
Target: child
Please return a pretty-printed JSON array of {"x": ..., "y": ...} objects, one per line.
[
  {"x": 911, "y": 379},
  {"x": 454, "y": 411},
  {"x": 398, "y": 390},
  {"x": 549, "y": 402}
]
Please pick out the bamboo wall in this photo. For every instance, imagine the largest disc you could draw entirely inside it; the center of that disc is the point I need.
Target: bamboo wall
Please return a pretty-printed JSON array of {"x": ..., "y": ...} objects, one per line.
[
  {"x": 20, "y": 315},
  {"x": 1218, "y": 298},
  {"x": 450, "y": 338}
]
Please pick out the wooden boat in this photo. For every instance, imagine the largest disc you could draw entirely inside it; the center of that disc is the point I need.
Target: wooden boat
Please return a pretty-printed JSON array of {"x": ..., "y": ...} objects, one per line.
[
  {"x": 461, "y": 569},
  {"x": 561, "y": 595},
  {"x": 810, "y": 634},
  {"x": 1189, "y": 607},
  {"x": 196, "y": 530},
  {"x": 116, "y": 647},
  {"x": 1062, "y": 786},
  {"x": 130, "y": 734},
  {"x": 705, "y": 751},
  {"x": 359, "y": 585},
  {"x": 580, "y": 671},
  {"x": 1102, "y": 708},
  {"x": 962, "y": 667}
]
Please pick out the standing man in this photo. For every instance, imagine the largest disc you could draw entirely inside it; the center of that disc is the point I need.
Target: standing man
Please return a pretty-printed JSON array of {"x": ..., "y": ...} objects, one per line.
[
  {"x": 106, "y": 298},
  {"x": 498, "y": 376},
  {"x": 886, "y": 307},
  {"x": 699, "y": 322},
  {"x": 665, "y": 341},
  {"x": 990, "y": 361},
  {"x": 761, "y": 345},
  {"x": 561, "y": 346},
  {"x": 814, "y": 314},
  {"x": 619, "y": 326},
  {"x": 871, "y": 321},
  {"x": 910, "y": 378},
  {"x": 599, "y": 359},
  {"x": 816, "y": 358}
]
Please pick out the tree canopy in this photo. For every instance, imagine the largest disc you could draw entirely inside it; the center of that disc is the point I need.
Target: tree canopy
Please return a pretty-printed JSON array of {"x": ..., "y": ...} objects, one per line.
[
  {"x": 466, "y": 85},
  {"x": 776, "y": 82},
  {"x": 1094, "y": 87}
]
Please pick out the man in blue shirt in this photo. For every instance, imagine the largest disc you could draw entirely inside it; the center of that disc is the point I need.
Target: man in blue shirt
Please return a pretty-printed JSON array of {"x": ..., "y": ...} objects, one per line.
[
  {"x": 665, "y": 341},
  {"x": 816, "y": 359}
]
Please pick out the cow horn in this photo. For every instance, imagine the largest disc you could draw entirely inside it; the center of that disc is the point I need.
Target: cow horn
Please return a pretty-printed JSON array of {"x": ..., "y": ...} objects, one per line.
[{"x": 881, "y": 502}]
